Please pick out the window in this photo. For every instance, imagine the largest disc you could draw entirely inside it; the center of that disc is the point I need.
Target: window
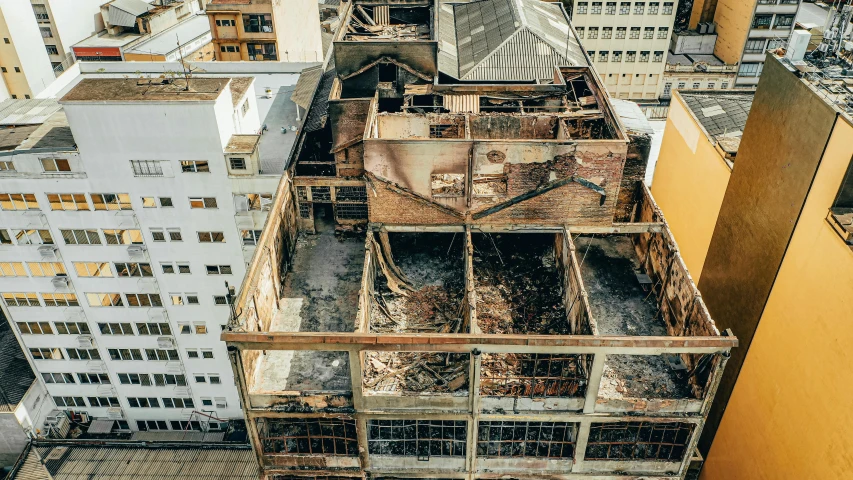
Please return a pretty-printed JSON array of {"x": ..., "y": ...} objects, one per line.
[
  {"x": 607, "y": 33},
  {"x": 214, "y": 379},
  {"x": 262, "y": 51},
  {"x": 143, "y": 300},
  {"x": 225, "y": 23},
  {"x": 581, "y": 8},
  {"x": 145, "y": 425},
  {"x": 47, "y": 269},
  {"x": 167, "y": 267},
  {"x": 257, "y": 23},
  {"x": 696, "y": 85},
  {"x": 593, "y": 33},
  {"x": 21, "y": 299},
  {"x": 135, "y": 379},
  {"x": 635, "y": 33},
  {"x": 111, "y": 201},
  {"x": 103, "y": 401},
  {"x": 229, "y": 48},
  {"x": 667, "y": 8},
  {"x": 631, "y": 56},
  {"x": 762, "y": 22},
  {"x": 123, "y": 237},
  {"x": 663, "y": 32},
  {"x": 158, "y": 354},
  {"x": 146, "y": 168},
  {"x": 161, "y": 380},
  {"x": 68, "y": 201},
  {"x": 211, "y": 237},
  {"x": 644, "y": 56},
  {"x": 81, "y": 237},
  {"x": 580, "y": 31},
  {"x": 200, "y": 378},
  {"x": 46, "y": 32},
  {"x": 192, "y": 353},
  {"x": 220, "y": 402},
  {"x": 784, "y": 21},
  {"x": 115, "y": 329},
  {"x": 244, "y": 108},
  {"x": 508, "y": 439},
  {"x": 596, "y": 8},
  {"x": 51, "y": 49},
  {"x": 435, "y": 438},
  {"x": 748, "y": 70},
  {"x": 93, "y": 269},
  {"x": 620, "y": 32},
  {"x": 69, "y": 401},
  {"x": 653, "y": 8},
  {"x": 639, "y": 7},
  {"x": 206, "y": 353},
  {"x": 178, "y": 403},
  {"x": 72, "y": 328},
  {"x": 126, "y": 354},
  {"x": 251, "y": 237},
  {"x": 104, "y": 299},
  {"x": 83, "y": 353},
  {"x": 649, "y": 32},
  {"x": 754, "y": 45},
  {"x": 40, "y": 12},
  {"x": 18, "y": 70},
  {"x": 184, "y": 268},
  {"x": 157, "y": 235},
  {"x": 16, "y": 269},
  {"x": 261, "y": 202},
  {"x": 681, "y": 85},
  {"x": 218, "y": 269},
  {"x": 194, "y": 166},
  {"x": 184, "y": 299},
  {"x": 143, "y": 402},
  {"x": 46, "y": 353},
  {"x": 94, "y": 378},
  {"x": 5, "y": 238},
  {"x": 33, "y": 237},
  {"x": 7, "y": 166},
  {"x": 200, "y": 328},
  {"x": 175, "y": 235},
  {"x": 724, "y": 85},
  {"x": 35, "y": 328},
  {"x": 154, "y": 328},
  {"x": 202, "y": 202},
  {"x": 60, "y": 300},
  {"x": 711, "y": 85},
  {"x": 166, "y": 201},
  {"x": 237, "y": 163},
  {"x": 134, "y": 269},
  {"x": 58, "y": 378},
  {"x": 149, "y": 202},
  {"x": 18, "y": 201},
  {"x": 185, "y": 329},
  {"x": 625, "y": 8},
  {"x": 220, "y": 300},
  {"x": 610, "y": 8},
  {"x": 617, "y": 56},
  {"x": 658, "y": 57}
]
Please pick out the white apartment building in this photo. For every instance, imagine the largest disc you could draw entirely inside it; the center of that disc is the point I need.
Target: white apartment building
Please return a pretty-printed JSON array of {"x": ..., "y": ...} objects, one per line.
[
  {"x": 36, "y": 38},
  {"x": 115, "y": 253},
  {"x": 628, "y": 43}
]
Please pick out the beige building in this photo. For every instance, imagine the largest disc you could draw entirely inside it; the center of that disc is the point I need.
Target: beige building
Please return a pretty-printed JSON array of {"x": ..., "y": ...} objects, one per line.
[
  {"x": 628, "y": 43},
  {"x": 266, "y": 30}
]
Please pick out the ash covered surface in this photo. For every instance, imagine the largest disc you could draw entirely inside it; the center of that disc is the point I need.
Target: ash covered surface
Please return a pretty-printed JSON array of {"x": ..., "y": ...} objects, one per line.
[
  {"x": 620, "y": 306},
  {"x": 519, "y": 289},
  {"x": 416, "y": 372}
]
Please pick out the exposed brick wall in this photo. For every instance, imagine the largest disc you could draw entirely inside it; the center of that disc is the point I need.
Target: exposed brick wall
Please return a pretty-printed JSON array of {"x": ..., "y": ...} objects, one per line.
[
  {"x": 392, "y": 205},
  {"x": 633, "y": 175}
]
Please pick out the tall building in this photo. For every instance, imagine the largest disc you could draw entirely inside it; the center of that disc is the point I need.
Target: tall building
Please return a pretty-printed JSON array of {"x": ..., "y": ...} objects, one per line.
[
  {"x": 774, "y": 240},
  {"x": 125, "y": 209},
  {"x": 628, "y": 43},
  {"x": 266, "y": 30},
  {"x": 462, "y": 274},
  {"x": 36, "y": 43},
  {"x": 746, "y": 29}
]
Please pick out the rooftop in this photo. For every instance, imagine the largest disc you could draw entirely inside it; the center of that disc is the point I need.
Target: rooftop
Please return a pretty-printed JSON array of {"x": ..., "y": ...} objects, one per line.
[
  {"x": 53, "y": 133},
  {"x": 146, "y": 90},
  {"x": 693, "y": 59},
  {"x": 165, "y": 43},
  {"x": 104, "y": 39},
  {"x": 239, "y": 86},
  {"x": 722, "y": 114},
  {"x": 16, "y": 376},
  {"x": 47, "y": 461},
  {"x": 242, "y": 143},
  {"x": 27, "y": 112}
]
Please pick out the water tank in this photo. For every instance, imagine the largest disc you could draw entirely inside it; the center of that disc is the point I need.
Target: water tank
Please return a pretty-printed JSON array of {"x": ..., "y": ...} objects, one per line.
[{"x": 797, "y": 45}]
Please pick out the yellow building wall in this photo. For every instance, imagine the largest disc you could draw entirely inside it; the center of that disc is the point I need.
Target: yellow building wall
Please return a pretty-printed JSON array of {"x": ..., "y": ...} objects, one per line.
[
  {"x": 733, "y": 19},
  {"x": 789, "y": 417},
  {"x": 689, "y": 185},
  {"x": 16, "y": 82}
]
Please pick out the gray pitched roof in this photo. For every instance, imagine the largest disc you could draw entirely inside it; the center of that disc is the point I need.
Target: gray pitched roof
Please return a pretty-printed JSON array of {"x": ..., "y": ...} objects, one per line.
[
  {"x": 16, "y": 376},
  {"x": 720, "y": 113},
  {"x": 505, "y": 40}
]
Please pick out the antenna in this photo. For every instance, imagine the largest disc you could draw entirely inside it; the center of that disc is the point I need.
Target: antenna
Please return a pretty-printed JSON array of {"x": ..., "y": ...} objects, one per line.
[{"x": 183, "y": 65}]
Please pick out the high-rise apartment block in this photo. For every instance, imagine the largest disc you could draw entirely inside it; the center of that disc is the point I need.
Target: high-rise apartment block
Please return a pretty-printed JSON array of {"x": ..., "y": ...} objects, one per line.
[
  {"x": 628, "y": 43},
  {"x": 466, "y": 278},
  {"x": 266, "y": 30},
  {"x": 123, "y": 215},
  {"x": 35, "y": 41}
]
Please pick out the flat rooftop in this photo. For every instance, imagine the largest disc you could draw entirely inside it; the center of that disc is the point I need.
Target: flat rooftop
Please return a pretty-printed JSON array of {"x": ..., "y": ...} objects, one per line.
[
  {"x": 164, "y": 42},
  {"x": 242, "y": 143},
  {"x": 146, "y": 90},
  {"x": 104, "y": 39},
  {"x": 53, "y": 133}
]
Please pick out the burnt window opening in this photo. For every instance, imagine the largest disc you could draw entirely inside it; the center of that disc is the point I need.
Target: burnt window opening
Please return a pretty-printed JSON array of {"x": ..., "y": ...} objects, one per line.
[
  {"x": 534, "y": 375},
  {"x": 638, "y": 441},
  {"x": 387, "y": 72},
  {"x": 321, "y": 194},
  {"x": 308, "y": 436},
  {"x": 351, "y": 211},
  {"x": 448, "y": 185},
  {"x": 302, "y": 193},
  {"x": 444, "y": 130},
  {"x": 526, "y": 439},
  {"x": 421, "y": 438},
  {"x": 305, "y": 210},
  {"x": 489, "y": 185},
  {"x": 351, "y": 194}
]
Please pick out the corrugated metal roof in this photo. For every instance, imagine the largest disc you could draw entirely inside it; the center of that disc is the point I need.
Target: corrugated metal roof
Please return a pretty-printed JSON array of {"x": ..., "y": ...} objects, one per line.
[
  {"x": 178, "y": 436},
  {"x": 27, "y": 112},
  {"x": 632, "y": 116},
  {"x": 306, "y": 85},
  {"x": 16, "y": 376},
  {"x": 165, "y": 42},
  {"x": 505, "y": 40},
  {"x": 139, "y": 463},
  {"x": 101, "y": 426},
  {"x": 124, "y": 12}
]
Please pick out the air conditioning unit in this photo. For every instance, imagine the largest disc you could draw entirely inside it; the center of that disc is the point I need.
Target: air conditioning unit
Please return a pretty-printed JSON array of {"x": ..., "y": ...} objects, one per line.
[
  {"x": 165, "y": 342},
  {"x": 85, "y": 341},
  {"x": 60, "y": 282},
  {"x": 182, "y": 391},
  {"x": 57, "y": 424},
  {"x": 136, "y": 250},
  {"x": 115, "y": 413},
  {"x": 47, "y": 252}
]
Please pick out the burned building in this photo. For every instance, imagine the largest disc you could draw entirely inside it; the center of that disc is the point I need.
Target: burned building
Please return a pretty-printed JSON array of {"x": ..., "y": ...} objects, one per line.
[{"x": 458, "y": 279}]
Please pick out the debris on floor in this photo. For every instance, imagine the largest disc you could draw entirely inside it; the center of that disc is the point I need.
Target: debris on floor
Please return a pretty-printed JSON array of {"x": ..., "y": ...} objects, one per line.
[
  {"x": 534, "y": 375},
  {"x": 416, "y": 372}
]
